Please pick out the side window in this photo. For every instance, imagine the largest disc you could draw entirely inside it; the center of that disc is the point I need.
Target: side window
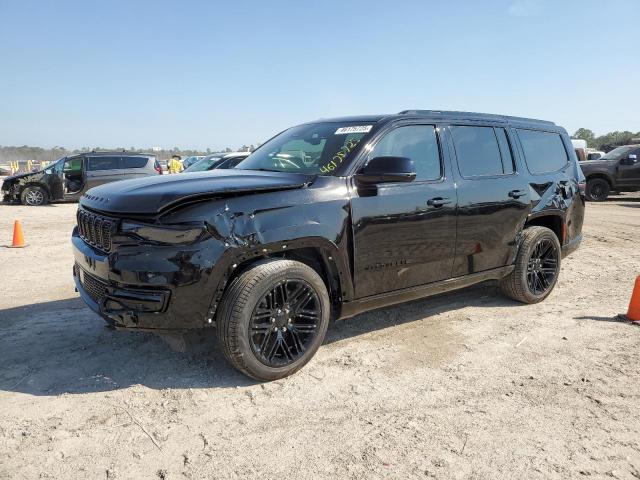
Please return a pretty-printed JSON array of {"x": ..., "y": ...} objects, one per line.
[
  {"x": 543, "y": 151},
  {"x": 477, "y": 151},
  {"x": 505, "y": 151},
  {"x": 417, "y": 142},
  {"x": 103, "y": 163},
  {"x": 134, "y": 162}
]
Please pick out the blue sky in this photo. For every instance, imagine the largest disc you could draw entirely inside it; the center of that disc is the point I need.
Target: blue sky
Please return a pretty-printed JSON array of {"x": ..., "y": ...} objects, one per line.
[{"x": 215, "y": 74}]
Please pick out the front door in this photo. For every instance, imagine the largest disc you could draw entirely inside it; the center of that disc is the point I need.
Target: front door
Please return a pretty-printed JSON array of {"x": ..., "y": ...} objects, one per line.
[
  {"x": 404, "y": 233},
  {"x": 55, "y": 175},
  {"x": 629, "y": 169},
  {"x": 493, "y": 199}
]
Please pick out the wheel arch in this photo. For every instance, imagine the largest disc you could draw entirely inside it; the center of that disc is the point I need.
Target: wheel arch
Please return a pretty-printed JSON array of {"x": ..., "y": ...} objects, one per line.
[
  {"x": 554, "y": 221},
  {"x": 34, "y": 184},
  {"x": 602, "y": 176},
  {"x": 320, "y": 254}
]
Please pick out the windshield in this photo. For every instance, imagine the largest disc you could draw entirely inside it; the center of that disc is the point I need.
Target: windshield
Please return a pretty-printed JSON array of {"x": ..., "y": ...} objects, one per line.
[
  {"x": 204, "y": 164},
  {"x": 617, "y": 153},
  {"x": 316, "y": 148}
]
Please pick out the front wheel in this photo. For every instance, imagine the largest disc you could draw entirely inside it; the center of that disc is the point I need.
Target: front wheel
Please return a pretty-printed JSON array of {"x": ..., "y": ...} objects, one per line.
[
  {"x": 273, "y": 318},
  {"x": 536, "y": 268},
  {"x": 34, "y": 196}
]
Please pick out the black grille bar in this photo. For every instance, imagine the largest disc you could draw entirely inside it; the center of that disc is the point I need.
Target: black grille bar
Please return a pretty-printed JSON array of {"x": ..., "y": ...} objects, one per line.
[{"x": 96, "y": 230}]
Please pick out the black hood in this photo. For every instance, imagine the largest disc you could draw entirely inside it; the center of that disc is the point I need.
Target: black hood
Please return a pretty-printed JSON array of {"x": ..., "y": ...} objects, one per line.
[{"x": 152, "y": 195}]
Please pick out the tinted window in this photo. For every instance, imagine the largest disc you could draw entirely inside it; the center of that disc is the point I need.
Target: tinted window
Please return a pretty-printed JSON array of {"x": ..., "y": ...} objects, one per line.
[
  {"x": 134, "y": 162},
  {"x": 417, "y": 142},
  {"x": 543, "y": 151},
  {"x": 477, "y": 151},
  {"x": 231, "y": 162},
  {"x": 103, "y": 163},
  {"x": 505, "y": 150}
]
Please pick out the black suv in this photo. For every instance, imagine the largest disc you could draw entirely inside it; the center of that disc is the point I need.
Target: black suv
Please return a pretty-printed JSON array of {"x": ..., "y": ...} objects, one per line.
[
  {"x": 327, "y": 220},
  {"x": 69, "y": 177},
  {"x": 618, "y": 170}
]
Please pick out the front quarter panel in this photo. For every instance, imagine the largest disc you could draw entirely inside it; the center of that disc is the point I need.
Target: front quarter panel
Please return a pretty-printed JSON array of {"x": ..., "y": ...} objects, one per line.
[{"x": 248, "y": 227}]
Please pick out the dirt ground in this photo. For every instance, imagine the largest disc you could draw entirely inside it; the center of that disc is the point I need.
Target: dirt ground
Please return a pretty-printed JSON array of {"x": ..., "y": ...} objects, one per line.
[{"x": 464, "y": 385}]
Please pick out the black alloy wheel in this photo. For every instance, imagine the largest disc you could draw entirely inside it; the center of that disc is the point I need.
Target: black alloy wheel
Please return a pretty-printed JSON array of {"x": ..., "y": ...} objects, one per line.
[
  {"x": 284, "y": 323},
  {"x": 536, "y": 268},
  {"x": 543, "y": 267},
  {"x": 273, "y": 318}
]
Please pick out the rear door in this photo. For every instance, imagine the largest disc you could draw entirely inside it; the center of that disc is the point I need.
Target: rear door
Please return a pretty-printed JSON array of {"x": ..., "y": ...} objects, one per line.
[
  {"x": 103, "y": 169},
  {"x": 137, "y": 166},
  {"x": 493, "y": 198}
]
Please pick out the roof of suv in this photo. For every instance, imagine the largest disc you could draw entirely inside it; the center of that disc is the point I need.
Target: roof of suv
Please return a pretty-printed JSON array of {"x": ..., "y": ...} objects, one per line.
[
  {"x": 106, "y": 152},
  {"x": 440, "y": 115}
]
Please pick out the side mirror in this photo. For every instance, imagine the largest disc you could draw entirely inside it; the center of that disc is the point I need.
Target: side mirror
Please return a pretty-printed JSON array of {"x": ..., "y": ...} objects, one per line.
[
  {"x": 630, "y": 160},
  {"x": 387, "y": 170}
]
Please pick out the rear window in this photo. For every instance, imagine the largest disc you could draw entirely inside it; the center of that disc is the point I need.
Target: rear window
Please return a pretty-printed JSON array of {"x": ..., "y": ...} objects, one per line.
[
  {"x": 103, "y": 163},
  {"x": 543, "y": 151},
  {"x": 477, "y": 151},
  {"x": 134, "y": 162}
]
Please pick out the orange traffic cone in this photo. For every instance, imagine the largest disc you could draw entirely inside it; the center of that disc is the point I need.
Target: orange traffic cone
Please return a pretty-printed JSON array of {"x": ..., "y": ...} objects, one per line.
[
  {"x": 18, "y": 237},
  {"x": 634, "y": 305}
]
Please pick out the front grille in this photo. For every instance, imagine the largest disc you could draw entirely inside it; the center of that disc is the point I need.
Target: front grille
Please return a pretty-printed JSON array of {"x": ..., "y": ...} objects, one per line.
[
  {"x": 96, "y": 230},
  {"x": 95, "y": 288}
]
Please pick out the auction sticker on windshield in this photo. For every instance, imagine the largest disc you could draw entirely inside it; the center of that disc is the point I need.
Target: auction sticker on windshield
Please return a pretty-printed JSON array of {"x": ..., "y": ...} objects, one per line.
[{"x": 354, "y": 129}]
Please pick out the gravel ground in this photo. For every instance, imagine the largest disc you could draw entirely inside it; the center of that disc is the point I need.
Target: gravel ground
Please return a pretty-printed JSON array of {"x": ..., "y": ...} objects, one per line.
[{"x": 464, "y": 385}]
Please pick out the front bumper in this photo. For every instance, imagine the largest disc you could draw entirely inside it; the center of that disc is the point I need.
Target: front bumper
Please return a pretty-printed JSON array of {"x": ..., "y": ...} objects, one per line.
[
  {"x": 120, "y": 306},
  {"x": 145, "y": 287}
]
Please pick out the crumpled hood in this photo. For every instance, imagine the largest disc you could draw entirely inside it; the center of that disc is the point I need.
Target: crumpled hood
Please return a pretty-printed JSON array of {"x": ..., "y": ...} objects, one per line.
[
  {"x": 18, "y": 176},
  {"x": 152, "y": 195}
]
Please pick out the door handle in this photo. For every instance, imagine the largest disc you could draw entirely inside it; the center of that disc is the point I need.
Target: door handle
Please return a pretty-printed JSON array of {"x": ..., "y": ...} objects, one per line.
[
  {"x": 438, "y": 202},
  {"x": 517, "y": 193}
]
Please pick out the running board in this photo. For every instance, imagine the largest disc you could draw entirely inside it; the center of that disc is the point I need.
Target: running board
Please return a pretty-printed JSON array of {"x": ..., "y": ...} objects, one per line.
[{"x": 355, "y": 307}]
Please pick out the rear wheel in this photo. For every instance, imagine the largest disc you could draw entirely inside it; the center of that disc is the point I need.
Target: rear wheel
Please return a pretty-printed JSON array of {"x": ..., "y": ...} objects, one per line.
[
  {"x": 598, "y": 189},
  {"x": 34, "y": 196},
  {"x": 536, "y": 268},
  {"x": 273, "y": 318}
]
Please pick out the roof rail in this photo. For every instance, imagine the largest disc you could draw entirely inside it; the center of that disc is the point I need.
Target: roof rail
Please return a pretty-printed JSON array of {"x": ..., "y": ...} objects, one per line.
[{"x": 473, "y": 115}]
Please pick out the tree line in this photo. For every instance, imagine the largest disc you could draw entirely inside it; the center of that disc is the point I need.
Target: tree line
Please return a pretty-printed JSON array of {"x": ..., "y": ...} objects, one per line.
[
  {"x": 39, "y": 154},
  {"x": 608, "y": 141}
]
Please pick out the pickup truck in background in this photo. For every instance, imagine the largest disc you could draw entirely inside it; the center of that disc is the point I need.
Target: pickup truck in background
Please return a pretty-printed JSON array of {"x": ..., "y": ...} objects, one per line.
[{"x": 617, "y": 171}]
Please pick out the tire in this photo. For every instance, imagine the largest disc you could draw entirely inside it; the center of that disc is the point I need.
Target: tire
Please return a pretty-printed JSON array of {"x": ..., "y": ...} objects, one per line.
[
  {"x": 251, "y": 306},
  {"x": 598, "y": 189},
  {"x": 34, "y": 196},
  {"x": 530, "y": 281}
]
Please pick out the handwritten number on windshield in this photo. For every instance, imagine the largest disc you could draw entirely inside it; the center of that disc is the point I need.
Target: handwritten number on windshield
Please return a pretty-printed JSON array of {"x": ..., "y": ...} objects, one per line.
[{"x": 339, "y": 157}]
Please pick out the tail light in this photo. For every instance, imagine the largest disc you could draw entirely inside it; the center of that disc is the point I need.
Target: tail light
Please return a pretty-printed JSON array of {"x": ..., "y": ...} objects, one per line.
[
  {"x": 158, "y": 168},
  {"x": 582, "y": 186}
]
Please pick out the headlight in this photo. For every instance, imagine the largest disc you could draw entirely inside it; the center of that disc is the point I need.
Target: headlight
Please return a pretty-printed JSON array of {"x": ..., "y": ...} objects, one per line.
[{"x": 172, "y": 234}]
